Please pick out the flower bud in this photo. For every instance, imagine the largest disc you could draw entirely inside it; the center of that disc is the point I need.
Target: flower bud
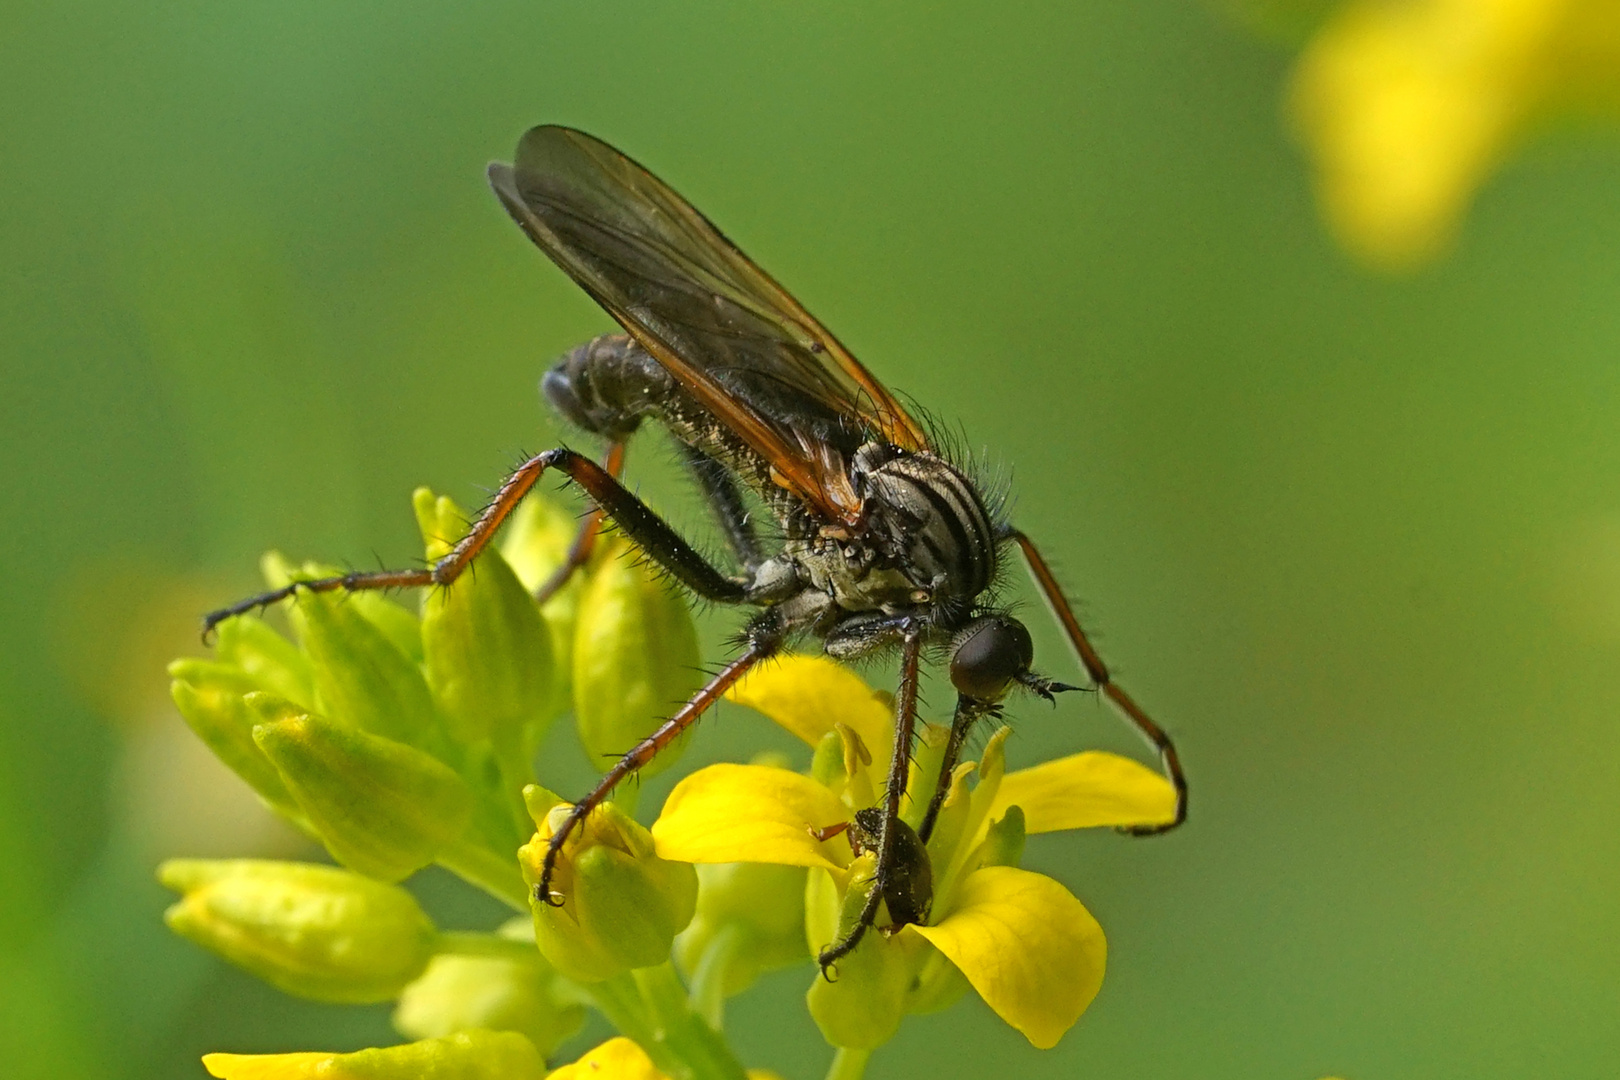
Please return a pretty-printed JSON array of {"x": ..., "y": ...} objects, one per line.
[
  {"x": 488, "y": 652},
  {"x": 863, "y": 1002},
  {"x": 511, "y": 991},
  {"x": 382, "y": 808},
  {"x": 635, "y": 658},
  {"x": 362, "y": 678},
  {"x": 209, "y": 696},
  {"x": 270, "y": 660},
  {"x": 622, "y": 905},
  {"x": 535, "y": 546},
  {"x": 471, "y": 1055},
  {"x": 313, "y": 931},
  {"x": 761, "y": 906}
]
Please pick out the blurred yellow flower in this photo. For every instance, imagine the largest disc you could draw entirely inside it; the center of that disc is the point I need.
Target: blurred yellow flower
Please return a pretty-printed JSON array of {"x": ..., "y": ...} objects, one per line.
[
  {"x": 471, "y": 1055},
  {"x": 1408, "y": 105},
  {"x": 1030, "y": 949},
  {"x": 622, "y": 1059}
]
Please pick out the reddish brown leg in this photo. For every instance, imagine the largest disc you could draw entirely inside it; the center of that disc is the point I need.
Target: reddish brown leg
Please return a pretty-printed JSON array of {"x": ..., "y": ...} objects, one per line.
[
  {"x": 579, "y": 552},
  {"x": 643, "y": 752},
  {"x": 905, "y": 721},
  {"x": 1169, "y": 761},
  {"x": 644, "y": 528}
]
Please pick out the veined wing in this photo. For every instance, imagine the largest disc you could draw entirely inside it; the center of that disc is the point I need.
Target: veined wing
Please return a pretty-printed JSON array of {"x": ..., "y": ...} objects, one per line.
[{"x": 731, "y": 335}]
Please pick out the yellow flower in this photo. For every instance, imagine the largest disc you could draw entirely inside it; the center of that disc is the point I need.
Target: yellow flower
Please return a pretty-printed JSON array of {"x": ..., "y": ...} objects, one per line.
[
  {"x": 472, "y": 1055},
  {"x": 1408, "y": 105},
  {"x": 1030, "y": 949},
  {"x": 622, "y": 1059}
]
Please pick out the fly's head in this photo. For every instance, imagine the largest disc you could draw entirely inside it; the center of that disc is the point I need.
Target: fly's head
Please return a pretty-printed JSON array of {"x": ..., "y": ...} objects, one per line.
[{"x": 991, "y": 655}]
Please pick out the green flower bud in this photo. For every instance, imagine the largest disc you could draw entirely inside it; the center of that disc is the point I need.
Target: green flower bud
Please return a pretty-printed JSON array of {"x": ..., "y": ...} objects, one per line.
[
  {"x": 382, "y": 808},
  {"x": 515, "y": 990},
  {"x": 755, "y": 911},
  {"x": 488, "y": 651},
  {"x": 861, "y": 1008},
  {"x": 270, "y": 660},
  {"x": 314, "y": 931},
  {"x": 209, "y": 696},
  {"x": 635, "y": 658},
  {"x": 535, "y": 546},
  {"x": 362, "y": 678},
  {"x": 622, "y": 904},
  {"x": 471, "y": 1055}
]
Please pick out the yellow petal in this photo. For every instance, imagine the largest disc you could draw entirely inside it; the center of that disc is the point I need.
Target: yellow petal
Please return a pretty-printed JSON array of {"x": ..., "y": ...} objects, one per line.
[
  {"x": 264, "y": 1066},
  {"x": 750, "y": 813},
  {"x": 1086, "y": 790},
  {"x": 809, "y": 694},
  {"x": 616, "y": 1059},
  {"x": 1030, "y": 949},
  {"x": 470, "y": 1055}
]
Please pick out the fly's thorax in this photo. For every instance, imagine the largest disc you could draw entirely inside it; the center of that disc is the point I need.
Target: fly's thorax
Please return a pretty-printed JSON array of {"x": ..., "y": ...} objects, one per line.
[
  {"x": 852, "y": 572},
  {"x": 930, "y": 521}
]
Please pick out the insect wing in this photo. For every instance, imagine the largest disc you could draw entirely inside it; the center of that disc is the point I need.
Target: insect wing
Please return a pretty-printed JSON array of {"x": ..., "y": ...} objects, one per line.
[{"x": 730, "y": 334}]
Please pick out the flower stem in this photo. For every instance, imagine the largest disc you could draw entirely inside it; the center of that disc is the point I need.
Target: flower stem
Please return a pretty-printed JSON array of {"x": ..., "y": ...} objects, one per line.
[
  {"x": 471, "y": 943},
  {"x": 709, "y": 978},
  {"x": 692, "y": 1039},
  {"x": 480, "y": 866},
  {"x": 848, "y": 1064},
  {"x": 651, "y": 1007}
]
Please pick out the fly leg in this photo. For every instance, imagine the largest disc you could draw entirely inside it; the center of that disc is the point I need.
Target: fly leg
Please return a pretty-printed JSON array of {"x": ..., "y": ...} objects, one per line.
[
  {"x": 644, "y": 528},
  {"x": 905, "y": 721},
  {"x": 725, "y": 499},
  {"x": 764, "y": 639},
  {"x": 1169, "y": 761},
  {"x": 968, "y": 712},
  {"x": 579, "y": 552}
]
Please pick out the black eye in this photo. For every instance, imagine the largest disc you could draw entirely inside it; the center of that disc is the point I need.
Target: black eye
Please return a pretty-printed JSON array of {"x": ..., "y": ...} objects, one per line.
[{"x": 989, "y": 655}]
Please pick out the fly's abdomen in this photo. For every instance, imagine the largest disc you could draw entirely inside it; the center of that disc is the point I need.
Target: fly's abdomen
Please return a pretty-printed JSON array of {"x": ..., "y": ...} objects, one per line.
[{"x": 607, "y": 386}]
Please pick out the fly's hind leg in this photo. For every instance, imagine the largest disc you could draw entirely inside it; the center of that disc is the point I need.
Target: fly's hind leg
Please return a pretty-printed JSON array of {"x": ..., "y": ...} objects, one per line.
[
  {"x": 590, "y": 527},
  {"x": 726, "y": 501},
  {"x": 644, "y": 528}
]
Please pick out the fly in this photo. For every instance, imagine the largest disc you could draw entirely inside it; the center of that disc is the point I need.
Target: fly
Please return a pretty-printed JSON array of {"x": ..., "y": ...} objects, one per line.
[{"x": 884, "y": 544}]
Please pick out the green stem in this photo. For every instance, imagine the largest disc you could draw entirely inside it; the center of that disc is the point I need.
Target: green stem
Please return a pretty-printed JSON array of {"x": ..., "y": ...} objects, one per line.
[
  {"x": 709, "y": 978},
  {"x": 651, "y": 1007},
  {"x": 471, "y": 943},
  {"x": 619, "y": 999},
  {"x": 482, "y": 867},
  {"x": 848, "y": 1064},
  {"x": 703, "y": 1048}
]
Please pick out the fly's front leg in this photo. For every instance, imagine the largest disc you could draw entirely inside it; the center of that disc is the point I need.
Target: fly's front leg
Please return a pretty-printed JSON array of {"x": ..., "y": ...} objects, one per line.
[
  {"x": 968, "y": 712},
  {"x": 905, "y": 721},
  {"x": 1169, "y": 760}
]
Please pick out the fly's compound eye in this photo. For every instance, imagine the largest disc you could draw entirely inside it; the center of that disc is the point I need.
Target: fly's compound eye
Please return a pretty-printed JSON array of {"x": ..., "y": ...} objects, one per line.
[{"x": 989, "y": 656}]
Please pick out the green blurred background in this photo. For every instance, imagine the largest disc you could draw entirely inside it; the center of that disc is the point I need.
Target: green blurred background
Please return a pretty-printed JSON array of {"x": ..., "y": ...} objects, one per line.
[{"x": 1354, "y": 540}]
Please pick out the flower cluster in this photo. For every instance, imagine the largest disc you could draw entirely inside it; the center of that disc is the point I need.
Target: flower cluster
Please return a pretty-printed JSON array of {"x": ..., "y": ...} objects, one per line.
[{"x": 399, "y": 740}]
